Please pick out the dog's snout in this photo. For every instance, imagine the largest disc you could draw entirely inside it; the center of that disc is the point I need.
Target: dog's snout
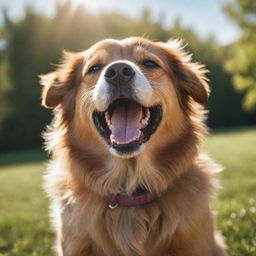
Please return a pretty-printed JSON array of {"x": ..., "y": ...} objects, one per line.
[{"x": 119, "y": 73}]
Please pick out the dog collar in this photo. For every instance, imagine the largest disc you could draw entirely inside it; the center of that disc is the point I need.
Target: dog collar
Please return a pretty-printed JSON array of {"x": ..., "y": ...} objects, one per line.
[{"x": 128, "y": 201}]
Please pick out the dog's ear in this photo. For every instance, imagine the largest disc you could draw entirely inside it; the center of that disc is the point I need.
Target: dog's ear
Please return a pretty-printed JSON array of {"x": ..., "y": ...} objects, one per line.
[
  {"x": 58, "y": 83},
  {"x": 53, "y": 90},
  {"x": 190, "y": 77}
]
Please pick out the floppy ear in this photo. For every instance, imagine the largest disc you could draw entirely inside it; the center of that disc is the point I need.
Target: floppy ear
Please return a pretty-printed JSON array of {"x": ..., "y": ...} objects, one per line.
[
  {"x": 57, "y": 84},
  {"x": 53, "y": 90},
  {"x": 190, "y": 76}
]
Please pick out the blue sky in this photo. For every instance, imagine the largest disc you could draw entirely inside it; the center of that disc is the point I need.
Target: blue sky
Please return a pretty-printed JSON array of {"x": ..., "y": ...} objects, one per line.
[{"x": 206, "y": 17}]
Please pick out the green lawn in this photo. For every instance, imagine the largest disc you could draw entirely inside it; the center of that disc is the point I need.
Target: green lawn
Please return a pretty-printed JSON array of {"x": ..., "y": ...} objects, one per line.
[{"x": 24, "y": 224}]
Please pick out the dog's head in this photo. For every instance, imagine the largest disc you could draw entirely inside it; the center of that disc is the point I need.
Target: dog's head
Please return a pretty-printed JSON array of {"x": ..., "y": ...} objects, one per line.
[{"x": 128, "y": 95}]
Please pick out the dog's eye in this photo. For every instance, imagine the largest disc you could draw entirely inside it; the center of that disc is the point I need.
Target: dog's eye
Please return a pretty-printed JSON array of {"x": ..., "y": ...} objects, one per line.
[
  {"x": 149, "y": 64},
  {"x": 95, "y": 68}
]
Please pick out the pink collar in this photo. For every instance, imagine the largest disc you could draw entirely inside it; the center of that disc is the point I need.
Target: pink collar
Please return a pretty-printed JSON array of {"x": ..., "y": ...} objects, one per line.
[{"x": 128, "y": 201}]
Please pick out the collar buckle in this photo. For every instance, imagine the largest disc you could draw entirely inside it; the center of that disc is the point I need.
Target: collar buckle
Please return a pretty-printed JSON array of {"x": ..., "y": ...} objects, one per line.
[{"x": 111, "y": 206}]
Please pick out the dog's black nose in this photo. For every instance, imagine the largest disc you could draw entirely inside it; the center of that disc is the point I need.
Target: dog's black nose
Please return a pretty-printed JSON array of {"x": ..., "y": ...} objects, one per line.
[{"x": 119, "y": 73}]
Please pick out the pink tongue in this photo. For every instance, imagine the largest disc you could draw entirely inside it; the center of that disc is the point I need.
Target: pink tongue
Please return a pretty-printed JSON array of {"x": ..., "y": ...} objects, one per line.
[{"x": 126, "y": 123}]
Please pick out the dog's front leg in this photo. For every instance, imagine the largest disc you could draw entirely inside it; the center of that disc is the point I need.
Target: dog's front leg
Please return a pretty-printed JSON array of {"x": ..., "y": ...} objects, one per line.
[
  {"x": 72, "y": 238},
  {"x": 198, "y": 238},
  {"x": 71, "y": 246}
]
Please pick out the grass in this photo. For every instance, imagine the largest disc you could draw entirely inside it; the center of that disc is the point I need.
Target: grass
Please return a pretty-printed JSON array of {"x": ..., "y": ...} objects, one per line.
[
  {"x": 24, "y": 223},
  {"x": 236, "y": 201}
]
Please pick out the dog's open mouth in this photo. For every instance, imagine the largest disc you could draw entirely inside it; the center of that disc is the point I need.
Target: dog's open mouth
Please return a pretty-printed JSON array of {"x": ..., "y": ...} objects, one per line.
[{"x": 126, "y": 124}]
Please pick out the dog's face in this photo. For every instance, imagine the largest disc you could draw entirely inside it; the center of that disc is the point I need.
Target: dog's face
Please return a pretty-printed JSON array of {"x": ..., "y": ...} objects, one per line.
[{"x": 128, "y": 95}]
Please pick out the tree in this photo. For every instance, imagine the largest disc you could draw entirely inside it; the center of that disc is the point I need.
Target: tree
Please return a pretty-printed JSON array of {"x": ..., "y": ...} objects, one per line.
[
  {"x": 35, "y": 41},
  {"x": 25, "y": 56},
  {"x": 242, "y": 62}
]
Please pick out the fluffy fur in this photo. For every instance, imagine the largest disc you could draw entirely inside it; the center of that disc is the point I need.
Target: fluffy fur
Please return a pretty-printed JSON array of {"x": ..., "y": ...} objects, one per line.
[{"x": 83, "y": 172}]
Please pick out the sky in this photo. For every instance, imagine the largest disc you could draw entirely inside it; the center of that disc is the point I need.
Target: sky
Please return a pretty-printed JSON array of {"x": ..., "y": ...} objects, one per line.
[{"x": 206, "y": 17}]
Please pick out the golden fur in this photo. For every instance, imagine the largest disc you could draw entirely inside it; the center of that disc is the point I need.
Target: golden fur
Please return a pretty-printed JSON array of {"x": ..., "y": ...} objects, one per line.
[{"x": 82, "y": 172}]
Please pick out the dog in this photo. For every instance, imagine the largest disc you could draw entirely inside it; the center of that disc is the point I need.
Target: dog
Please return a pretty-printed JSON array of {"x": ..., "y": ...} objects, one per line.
[{"x": 127, "y": 176}]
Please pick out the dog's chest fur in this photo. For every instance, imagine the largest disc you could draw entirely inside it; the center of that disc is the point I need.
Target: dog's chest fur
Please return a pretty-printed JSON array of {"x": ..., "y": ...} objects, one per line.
[{"x": 131, "y": 230}]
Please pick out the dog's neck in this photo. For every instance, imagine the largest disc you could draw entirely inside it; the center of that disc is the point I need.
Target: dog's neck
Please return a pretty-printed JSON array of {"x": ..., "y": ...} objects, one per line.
[
  {"x": 139, "y": 197},
  {"x": 154, "y": 172}
]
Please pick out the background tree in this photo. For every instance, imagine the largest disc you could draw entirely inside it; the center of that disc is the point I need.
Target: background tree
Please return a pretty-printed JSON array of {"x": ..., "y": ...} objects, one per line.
[
  {"x": 32, "y": 44},
  {"x": 242, "y": 62}
]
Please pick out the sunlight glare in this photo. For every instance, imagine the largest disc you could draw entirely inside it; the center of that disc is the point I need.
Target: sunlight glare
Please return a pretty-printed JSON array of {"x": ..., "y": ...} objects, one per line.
[{"x": 92, "y": 5}]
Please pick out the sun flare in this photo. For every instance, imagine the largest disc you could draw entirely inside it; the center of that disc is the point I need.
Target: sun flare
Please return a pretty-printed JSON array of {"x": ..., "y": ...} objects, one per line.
[{"x": 93, "y": 6}]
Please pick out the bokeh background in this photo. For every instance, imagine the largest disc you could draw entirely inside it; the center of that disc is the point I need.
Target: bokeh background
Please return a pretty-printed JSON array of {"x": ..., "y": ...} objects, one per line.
[{"x": 220, "y": 33}]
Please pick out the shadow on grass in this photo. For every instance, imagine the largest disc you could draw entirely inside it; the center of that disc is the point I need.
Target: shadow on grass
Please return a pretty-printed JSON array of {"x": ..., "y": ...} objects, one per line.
[
  {"x": 233, "y": 129},
  {"x": 22, "y": 156}
]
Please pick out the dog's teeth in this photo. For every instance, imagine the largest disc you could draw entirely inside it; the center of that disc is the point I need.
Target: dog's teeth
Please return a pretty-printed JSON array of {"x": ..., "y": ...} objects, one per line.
[
  {"x": 138, "y": 136},
  {"x": 112, "y": 139},
  {"x": 107, "y": 116},
  {"x": 147, "y": 114},
  {"x": 144, "y": 121},
  {"x": 108, "y": 120}
]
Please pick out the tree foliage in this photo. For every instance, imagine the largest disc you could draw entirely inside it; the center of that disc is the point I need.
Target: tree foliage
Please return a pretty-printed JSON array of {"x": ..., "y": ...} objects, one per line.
[
  {"x": 36, "y": 41},
  {"x": 242, "y": 63}
]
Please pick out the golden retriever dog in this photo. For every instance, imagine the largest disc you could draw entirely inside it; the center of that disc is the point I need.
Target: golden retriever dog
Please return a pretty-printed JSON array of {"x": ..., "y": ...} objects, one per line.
[{"x": 127, "y": 175}]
